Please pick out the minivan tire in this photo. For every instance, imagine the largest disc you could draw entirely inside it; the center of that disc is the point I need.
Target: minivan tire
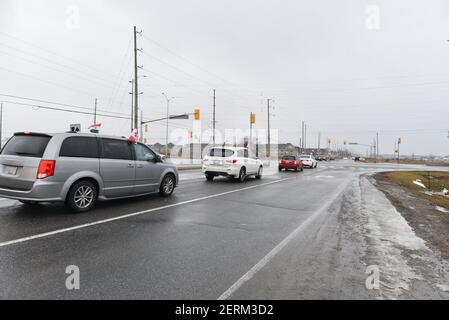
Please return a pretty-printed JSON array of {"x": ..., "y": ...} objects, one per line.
[
  {"x": 167, "y": 186},
  {"x": 209, "y": 177},
  {"x": 82, "y": 196}
]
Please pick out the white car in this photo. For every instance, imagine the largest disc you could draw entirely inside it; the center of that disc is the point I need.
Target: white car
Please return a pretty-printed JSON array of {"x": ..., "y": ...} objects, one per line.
[
  {"x": 231, "y": 162},
  {"x": 308, "y": 161}
]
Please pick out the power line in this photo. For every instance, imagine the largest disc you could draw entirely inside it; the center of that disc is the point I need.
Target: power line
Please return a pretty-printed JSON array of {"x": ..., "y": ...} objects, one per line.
[
  {"x": 48, "y": 82},
  {"x": 96, "y": 69},
  {"x": 57, "y": 103},
  {"x": 90, "y": 75},
  {"x": 57, "y": 70},
  {"x": 184, "y": 58},
  {"x": 64, "y": 110}
]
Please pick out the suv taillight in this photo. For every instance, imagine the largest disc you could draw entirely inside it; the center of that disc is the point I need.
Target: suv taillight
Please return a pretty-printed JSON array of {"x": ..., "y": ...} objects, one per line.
[{"x": 46, "y": 169}]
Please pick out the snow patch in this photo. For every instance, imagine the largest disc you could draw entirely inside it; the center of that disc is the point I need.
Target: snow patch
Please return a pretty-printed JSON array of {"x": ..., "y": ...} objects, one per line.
[
  {"x": 418, "y": 182},
  {"x": 443, "y": 287},
  {"x": 441, "y": 209},
  {"x": 389, "y": 237}
]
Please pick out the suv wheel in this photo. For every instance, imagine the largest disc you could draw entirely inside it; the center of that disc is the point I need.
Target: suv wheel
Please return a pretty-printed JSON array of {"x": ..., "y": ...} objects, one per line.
[
  {"x": 167, "y": 186},
  {"x": 242, "y": 174},
  {"x": 82, "y": 196},
  {"x": 259, "y": 173},
  {"x": 209, "y": 177}
]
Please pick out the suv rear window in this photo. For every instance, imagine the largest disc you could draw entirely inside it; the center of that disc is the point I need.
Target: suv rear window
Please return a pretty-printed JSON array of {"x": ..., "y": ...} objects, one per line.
[
  {"x": 289, "y": 158},
  {"x": 79, "y": 147},
  {"x": 32, "y": 146},
  {"x": 223, "y": 153}
]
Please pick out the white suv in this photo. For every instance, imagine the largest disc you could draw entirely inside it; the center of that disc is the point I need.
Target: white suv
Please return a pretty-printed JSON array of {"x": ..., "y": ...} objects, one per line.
[
  {"x": 231, "y": 162},
  {"x": 308, "y": 161}
]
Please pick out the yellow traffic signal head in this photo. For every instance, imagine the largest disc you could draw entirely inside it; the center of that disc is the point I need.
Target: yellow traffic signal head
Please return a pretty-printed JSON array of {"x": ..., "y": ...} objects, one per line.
[
  {"x": 197, "y": 114},
  {"x": 253, "y": 118}
]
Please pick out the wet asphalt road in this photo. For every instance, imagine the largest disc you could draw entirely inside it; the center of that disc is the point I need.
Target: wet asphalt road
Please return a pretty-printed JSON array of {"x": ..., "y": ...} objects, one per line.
[{"x": 198, "y": 244}]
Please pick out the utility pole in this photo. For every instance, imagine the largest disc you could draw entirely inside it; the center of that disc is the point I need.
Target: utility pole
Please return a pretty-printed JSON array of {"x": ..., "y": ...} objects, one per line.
[
  {"x": 136, "y": 87},
  {"x": 1, "y": 124},
  {"x": 141, "y": 126},
  {"x": 213, "y": 121},
  {"x": 269, "y": 133},
  {"x": 302, "y": 137},
  {"x": 250, "y": 131},
  {"x": 319, "y": 141},
  {"x": 168, "y": 118},
  {"x": 305, "y": 136},
  {"x": 132, "y": 104},
  {"x": 95, "y": 112},
  {"x": 377, "y": 145}
]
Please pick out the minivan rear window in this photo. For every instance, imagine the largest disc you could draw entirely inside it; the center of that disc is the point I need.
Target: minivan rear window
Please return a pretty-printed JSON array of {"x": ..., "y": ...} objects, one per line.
[
  {"x": 32, "y": 146},
  {"x": 79, "y": 147},
  {"x": 220, "y": 152}
]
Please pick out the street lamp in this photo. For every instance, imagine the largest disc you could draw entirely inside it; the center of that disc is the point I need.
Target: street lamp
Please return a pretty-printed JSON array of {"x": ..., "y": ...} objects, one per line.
[{"x": 168, "y": 117}]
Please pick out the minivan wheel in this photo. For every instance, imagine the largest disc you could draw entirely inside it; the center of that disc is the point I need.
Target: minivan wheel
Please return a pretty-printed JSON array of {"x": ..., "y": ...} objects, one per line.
[
  {"x": 259, "y": 173},
  {"x": 82, "y": 196},
  {"x": 167, "y": 186},
  {"x": 209, "y": 177},
  {"x": 242, "y": 174}
]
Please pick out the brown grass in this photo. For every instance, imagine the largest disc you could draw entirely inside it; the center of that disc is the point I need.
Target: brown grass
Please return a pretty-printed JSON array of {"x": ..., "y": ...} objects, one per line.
[{"x": 434, "y": 181}]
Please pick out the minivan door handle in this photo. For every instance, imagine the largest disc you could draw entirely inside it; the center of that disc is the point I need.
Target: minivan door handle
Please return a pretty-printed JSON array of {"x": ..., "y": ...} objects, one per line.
[{"x": 130, "y": 165}]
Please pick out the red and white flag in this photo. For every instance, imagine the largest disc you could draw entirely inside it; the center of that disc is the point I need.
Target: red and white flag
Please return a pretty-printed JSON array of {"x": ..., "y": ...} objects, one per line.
[{"x": 96, "y": 125}]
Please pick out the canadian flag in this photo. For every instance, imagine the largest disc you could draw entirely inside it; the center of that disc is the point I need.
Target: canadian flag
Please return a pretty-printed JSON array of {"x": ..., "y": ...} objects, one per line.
[
  {"x": 134, "y": 136},
  {"x": 95, "y": 125}
]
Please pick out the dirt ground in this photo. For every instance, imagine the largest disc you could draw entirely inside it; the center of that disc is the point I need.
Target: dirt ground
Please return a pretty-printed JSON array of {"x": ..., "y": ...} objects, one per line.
[{"x": 419, "y": 209}]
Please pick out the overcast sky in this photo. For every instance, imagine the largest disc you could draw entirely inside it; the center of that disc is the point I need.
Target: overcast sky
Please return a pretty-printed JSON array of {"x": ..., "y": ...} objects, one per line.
[{"x": 349, "y": 68}]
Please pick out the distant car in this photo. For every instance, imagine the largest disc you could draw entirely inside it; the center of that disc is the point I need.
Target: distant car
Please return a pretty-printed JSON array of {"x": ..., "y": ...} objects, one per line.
[
  {"x": 308, "y": 161},
  {"x": 291, "y": 163},
  {"x": 231, "y": 162},
  {"x": 80, "y": 169}
]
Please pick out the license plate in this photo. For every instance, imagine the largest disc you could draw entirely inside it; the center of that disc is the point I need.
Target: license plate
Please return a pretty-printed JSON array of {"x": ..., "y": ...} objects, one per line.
[
  {"x": 218, "y": 163},
  {"x": 11, "y": 170}
]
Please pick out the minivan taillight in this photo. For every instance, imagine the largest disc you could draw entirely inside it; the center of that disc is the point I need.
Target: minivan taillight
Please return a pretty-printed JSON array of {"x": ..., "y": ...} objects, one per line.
[{"x": 46, "y": 169}]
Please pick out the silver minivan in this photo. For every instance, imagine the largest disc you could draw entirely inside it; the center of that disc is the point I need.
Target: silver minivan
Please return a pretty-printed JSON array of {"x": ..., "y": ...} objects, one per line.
[{"x": 80, "y": 169}]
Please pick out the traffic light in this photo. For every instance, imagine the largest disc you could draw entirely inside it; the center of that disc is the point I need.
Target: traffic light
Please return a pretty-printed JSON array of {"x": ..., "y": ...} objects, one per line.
[
  {"x": 329, "y": 141},
  {"x": 197, "y": 114},
  {"x": 253, "y": 118},
  {"x": 345, "y": 142},
  {"x": 146, "y": 128},
  {"x": 399, "y": 140}
]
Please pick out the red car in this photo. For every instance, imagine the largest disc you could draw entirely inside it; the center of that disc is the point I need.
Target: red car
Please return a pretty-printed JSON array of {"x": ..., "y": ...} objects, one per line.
[{"x": 291, "y": 163}]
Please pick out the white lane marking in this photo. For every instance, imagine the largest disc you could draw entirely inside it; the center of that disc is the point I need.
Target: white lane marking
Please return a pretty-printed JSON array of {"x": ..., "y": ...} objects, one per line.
[
  {"x": 51, "y": 233},
  {"x": 265, "y": 260}
]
